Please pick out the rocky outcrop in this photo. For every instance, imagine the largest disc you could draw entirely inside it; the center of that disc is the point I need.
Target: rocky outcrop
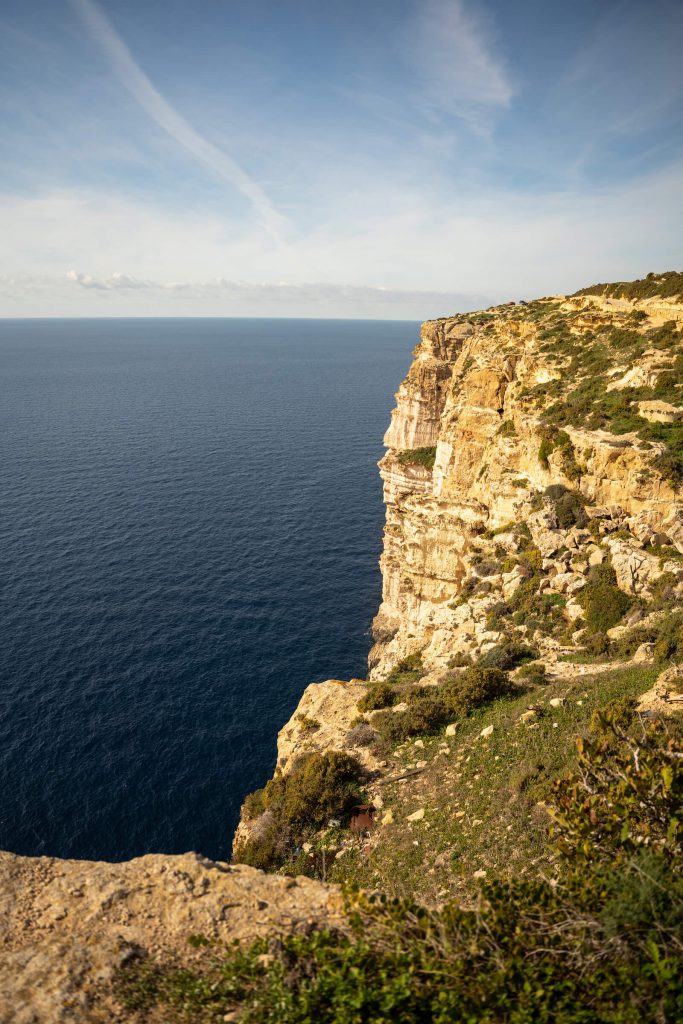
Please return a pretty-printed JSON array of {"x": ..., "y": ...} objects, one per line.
[{"x": 66, "y": 927}]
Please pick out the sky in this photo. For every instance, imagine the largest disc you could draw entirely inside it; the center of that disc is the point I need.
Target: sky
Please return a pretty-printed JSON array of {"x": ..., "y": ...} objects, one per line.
[{"x": 393, "y": 159}]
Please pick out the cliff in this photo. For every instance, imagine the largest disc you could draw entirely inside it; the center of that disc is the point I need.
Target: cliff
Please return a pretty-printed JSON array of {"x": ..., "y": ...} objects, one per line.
[
  {"x": 532, "y": 574},
  {"x": 534, "y": 528},
  {"x": 491, "y": 395}
]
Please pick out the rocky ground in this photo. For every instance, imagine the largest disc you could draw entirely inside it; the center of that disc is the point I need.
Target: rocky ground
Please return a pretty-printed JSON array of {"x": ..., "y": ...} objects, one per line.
[{"x": 67, "y": 927}]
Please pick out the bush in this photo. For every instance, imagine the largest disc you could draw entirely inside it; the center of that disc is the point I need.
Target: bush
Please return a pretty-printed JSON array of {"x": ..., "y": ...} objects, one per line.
[
  {"x": 307, "y": 724},
  {"x": 603, "y": 603},
  {"x": 507, "y": 656},
  {"x": 567, "y": 505},
  {"x": 319, "y": 786},
  {"x": 473, "y": 688},
  {"x": 460, "y": 660},
  {"x": 410, "y": 670},
  {"x": 533, "y": 672},
  {"x": 597, "y": 643},
  {"x": 362, "y": 735},
  {"x": 669, "y": 642},
  {"x": 622, "y": 799},
  {"x": 379, "y": 695},
  {"x": 424, "y": 714},
  {"x": 487, "y": 567}
]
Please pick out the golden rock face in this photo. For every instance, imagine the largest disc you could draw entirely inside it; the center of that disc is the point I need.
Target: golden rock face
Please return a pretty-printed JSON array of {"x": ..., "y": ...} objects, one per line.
[{"x": 467, "y": 394}]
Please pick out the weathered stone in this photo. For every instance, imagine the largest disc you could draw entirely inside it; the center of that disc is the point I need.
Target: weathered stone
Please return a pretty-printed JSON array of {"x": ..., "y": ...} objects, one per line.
[
  {"x": 67, "y": 926},
  {"x": 644, "y": 653}
]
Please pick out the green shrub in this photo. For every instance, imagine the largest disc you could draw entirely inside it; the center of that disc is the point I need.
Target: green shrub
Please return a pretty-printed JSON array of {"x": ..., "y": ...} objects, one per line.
[
  {"x": 603, "y": 603},
  {"x": 307, "y": 724},
  {"x": 473, "y": 688},
  {"x": 417, "y": 457},
  {"x": 668, "y": 284},
  {"x": 507, "y": 656},
  {"x": 597, "y": 643},
  {"x": 291, "y": 806},
  {"x": 507, "y": 429},
  {"x": 379, "y": 695},
  {"x": 670, "y": 465},
  {"x": 669, "y": 641},
  {"x": 460, "y": 660},
  {"x": 424, "y": 715},
  {"x": 545, "y": 449},
  {"x": 410, "y": 670},
  {"x": 567, "y": 505},
  {"x": 533, "y": 672},
  {"x": 531, "y": 954},
  {"x": 623, "y": 797}
]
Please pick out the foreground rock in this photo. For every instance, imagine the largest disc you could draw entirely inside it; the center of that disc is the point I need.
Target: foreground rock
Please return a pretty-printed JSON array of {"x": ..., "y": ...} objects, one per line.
[{"x": 66, "y": 927}]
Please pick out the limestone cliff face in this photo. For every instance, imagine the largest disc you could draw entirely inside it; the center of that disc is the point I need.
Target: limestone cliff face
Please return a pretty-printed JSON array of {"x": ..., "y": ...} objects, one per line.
[{"x": 476, "y": 393}]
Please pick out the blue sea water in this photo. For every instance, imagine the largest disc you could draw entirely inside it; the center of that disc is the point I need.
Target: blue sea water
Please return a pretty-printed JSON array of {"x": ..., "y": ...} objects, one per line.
[{"x": 190, "y": 523}]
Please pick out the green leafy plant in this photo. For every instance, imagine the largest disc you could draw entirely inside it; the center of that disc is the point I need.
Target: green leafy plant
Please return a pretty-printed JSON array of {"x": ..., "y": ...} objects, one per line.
[
  {"x": 507, "y": 656},
  {"x": 622, "y": 798}
]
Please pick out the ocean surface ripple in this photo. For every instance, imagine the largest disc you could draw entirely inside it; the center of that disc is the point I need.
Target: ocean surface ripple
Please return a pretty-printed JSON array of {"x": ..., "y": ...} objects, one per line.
[{"x": 190, "y": 523}]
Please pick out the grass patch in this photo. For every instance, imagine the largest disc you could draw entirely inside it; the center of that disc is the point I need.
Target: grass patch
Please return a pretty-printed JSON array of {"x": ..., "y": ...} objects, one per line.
[
  {"x": 417, "y": 457},
  {"x": 497, "y": 782}
]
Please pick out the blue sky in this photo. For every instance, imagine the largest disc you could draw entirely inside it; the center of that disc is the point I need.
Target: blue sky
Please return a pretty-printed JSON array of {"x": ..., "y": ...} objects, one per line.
[{"x": 389, "y": 158}]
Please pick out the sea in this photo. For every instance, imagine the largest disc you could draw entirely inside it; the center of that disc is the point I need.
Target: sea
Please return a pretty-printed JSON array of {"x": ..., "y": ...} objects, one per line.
[{"x": 190, "y": 526}]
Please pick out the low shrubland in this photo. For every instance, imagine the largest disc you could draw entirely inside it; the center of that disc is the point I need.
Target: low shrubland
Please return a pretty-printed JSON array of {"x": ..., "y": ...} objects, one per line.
[
  {"x": 598, "y": 942},
  {"x": 429, "y": 708},
  {"x": 604, "y": 603},
  {"x": 668, "y": 284}
]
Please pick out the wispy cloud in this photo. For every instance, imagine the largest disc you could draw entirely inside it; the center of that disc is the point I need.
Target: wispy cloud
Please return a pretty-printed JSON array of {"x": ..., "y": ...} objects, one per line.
[
  {"x": 453, "y": 51},
  {"x": 285, "y": 298},
  {"x": 133, "y": 78}
]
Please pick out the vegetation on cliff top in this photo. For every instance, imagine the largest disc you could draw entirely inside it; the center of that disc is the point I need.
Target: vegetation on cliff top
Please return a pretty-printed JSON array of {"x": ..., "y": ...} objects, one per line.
[
  {"x": 291, "y": 808},
  {"x": 584, "y": 394},
  {"x": 600, "y": 943},
  {"x": 667, "y": 285}
]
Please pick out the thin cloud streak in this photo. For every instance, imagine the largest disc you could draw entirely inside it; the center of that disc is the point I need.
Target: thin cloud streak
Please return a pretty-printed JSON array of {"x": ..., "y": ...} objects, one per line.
[
  {"x": 284, "y": 292},
  {"x": 453, "y": 53},
  {"x": 133, "y": 78}
]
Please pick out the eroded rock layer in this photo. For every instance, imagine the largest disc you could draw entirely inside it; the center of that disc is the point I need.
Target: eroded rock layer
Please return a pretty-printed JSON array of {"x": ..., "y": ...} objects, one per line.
[{"x": 494, "y": 395}]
